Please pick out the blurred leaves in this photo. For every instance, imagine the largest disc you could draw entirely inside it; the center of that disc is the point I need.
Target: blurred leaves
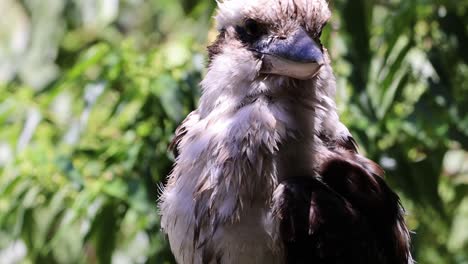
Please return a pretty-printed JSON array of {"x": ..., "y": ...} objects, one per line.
[
  {"x": 89, "y": 145},
  {"x": 92, "y": 91},
  {"x": 407, "y": 105}
]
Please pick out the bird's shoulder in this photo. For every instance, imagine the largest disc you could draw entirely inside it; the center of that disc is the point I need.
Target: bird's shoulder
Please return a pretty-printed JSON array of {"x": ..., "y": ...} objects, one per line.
[{"x": 182, "y": 130}]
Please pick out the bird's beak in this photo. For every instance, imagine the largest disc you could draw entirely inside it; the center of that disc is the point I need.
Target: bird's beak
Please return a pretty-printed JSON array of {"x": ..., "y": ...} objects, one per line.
[{"x": 297, "y": 56}]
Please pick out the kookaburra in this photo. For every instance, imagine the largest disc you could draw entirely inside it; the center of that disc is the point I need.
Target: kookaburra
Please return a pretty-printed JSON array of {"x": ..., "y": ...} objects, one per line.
[{"x": 265, "y": 171}]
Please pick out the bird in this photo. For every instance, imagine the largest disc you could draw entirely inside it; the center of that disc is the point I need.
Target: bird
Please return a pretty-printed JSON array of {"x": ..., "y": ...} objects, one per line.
[{"x": 265, "y": 171}]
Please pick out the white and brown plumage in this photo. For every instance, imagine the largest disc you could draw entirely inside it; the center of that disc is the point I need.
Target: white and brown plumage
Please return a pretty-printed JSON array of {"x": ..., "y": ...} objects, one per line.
[{"x": 265, "y": 171}]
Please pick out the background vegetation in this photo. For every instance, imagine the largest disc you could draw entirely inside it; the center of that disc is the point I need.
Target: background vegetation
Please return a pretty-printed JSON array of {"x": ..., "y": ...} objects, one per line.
[{"x": 92, "y": 90}]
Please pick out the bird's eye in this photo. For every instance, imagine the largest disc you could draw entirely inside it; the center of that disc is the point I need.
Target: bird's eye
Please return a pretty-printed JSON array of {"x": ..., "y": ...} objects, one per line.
[{"x": 253, "y": 28}]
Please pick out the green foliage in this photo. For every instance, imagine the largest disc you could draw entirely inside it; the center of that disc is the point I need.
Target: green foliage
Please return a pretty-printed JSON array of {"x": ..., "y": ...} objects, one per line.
[
  {"x": 406, "y": 104},
  {"x": 91, "y": 92}
]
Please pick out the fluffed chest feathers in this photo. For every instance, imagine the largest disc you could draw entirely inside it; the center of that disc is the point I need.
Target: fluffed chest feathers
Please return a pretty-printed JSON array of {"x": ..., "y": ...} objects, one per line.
[{"x": 217, "y": 202}]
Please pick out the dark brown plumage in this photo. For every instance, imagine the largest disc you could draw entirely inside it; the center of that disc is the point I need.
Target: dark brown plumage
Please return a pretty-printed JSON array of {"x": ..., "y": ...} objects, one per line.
[{"x": 345, "y": 213}]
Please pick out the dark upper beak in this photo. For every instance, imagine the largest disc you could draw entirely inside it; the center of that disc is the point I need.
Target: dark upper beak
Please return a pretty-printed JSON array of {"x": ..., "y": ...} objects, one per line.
[
  {"x": 297, "y": 56},
  {"x": 298, "y": 48}
]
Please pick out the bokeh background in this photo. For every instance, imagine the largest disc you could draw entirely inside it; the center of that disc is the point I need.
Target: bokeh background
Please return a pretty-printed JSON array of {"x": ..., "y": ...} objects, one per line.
[{"x": 92, "y": 90}]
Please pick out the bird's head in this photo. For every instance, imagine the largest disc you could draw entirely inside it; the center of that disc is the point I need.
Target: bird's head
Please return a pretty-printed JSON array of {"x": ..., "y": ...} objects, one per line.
[
  {"x": 284, "y": 35},
  {"x": 265, "y": 42}
]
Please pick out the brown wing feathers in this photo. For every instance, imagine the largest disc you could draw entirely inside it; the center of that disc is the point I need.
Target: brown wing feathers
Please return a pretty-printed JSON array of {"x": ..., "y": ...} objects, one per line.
[{"x": 346, "y": 213}]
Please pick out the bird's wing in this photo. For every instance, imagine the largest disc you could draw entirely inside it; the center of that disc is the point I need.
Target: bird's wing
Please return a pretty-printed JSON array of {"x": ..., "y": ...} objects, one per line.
[
  {"x": 348, "y": 214},
  {"x": 182, "y": 130}
]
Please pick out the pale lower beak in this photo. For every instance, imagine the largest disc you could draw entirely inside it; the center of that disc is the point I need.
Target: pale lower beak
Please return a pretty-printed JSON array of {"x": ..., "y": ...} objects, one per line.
[{"x": 297, "y": 70}]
